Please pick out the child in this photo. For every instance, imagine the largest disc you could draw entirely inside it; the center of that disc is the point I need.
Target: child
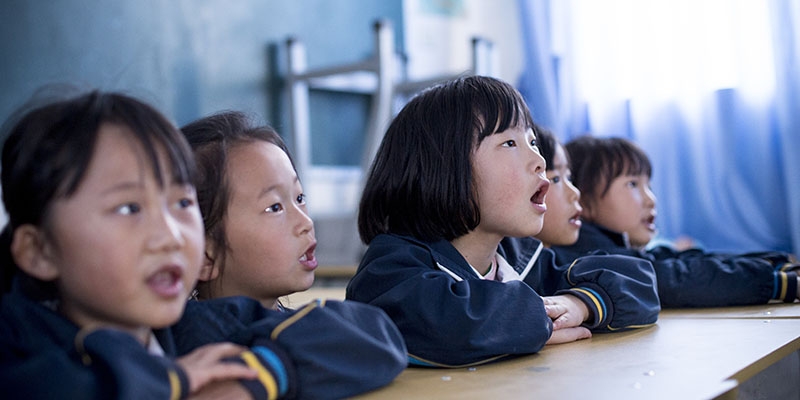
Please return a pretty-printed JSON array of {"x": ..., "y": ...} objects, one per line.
[
  {"x": 456, "y": 173},
  {"x": 260, "y": 239},
  {"x": 103, "y": 244},
  {"x": 613, "y": 175},
  {"x": 260, "y": 244},
  {"x": 562, "y": 222}
]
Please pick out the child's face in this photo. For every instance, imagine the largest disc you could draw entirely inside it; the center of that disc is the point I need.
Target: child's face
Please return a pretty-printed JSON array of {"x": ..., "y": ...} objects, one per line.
[
  {"x": 270, "y": 235},
  {"x": 562, "y": 222},
  {"x": 510, "y": 181},
  {"x": 628, "y": 207},
  {"x": 127, "y": 251}
]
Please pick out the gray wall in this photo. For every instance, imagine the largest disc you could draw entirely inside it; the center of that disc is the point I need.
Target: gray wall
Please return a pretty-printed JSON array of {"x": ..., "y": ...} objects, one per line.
[
  {"x": 194, "y": 57},
  {"x": 191, "y": 58}
]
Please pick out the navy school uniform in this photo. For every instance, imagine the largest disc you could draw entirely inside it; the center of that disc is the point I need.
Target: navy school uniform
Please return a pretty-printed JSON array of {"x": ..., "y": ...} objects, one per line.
[
  {"x": 451, "y": 317},
  {"x": 694, "y": 278},
  {"x": 45, "y": 356},
  {"x": 318, "y": 351},
  {"x": 337, "y": 348}
]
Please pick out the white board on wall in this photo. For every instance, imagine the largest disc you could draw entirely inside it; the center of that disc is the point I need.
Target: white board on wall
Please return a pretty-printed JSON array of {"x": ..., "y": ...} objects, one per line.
[{"x": 439, "y": 33}]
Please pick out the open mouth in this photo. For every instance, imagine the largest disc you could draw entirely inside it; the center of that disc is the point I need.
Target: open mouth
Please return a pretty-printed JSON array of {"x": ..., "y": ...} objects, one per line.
[
  {"x": 308, "y": 259},
  {"x": 650, "y": 222},
  {"x": 167, "y": 281},
  {"x": 576, "y": 219},
  {"x": 539, "y": 196}
]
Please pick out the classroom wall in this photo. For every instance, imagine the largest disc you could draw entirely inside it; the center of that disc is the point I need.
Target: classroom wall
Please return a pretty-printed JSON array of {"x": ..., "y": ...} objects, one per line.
[{"x": 190, "y": 58}]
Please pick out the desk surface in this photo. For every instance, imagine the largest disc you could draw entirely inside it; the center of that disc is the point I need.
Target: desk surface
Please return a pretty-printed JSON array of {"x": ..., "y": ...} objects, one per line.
[
  {"x": 689, "y": 354},
  {"x": 676, "y": 359},
  {"x": 771, "y": 311}
]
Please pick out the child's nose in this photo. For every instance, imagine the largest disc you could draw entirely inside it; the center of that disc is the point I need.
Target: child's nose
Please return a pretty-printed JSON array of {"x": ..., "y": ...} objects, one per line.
[
  {"x": 166, "y": 232},
  {"x": 650, "y": 197},
  {"x": 538, "y": 164},
  {"x": 575, "y": 192},
  {"x": 304, "y": 223}
]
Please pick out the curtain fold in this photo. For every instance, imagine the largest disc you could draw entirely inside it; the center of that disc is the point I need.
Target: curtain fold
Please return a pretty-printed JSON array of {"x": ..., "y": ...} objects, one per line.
[
  {"x": 721, "y": 125},
  {"x": 786, "y": 39}
]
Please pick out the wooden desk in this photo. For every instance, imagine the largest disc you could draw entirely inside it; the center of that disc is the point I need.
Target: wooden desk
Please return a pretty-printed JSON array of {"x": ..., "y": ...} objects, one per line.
[
  {"x": 679, "y": 358},
  {"x": 690, "y": 354},
  {"x": 767, "y": 311}
]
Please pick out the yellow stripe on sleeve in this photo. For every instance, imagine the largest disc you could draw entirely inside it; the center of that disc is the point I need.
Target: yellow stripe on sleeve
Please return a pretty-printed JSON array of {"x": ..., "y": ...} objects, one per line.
[
  {"x": 294, "y": 318},
  {"x": 594, "y": 300},
  {"x": 266, "y": 378},
  {"x": 174, "y": 385},
  {"x": 784, "y": 284}
]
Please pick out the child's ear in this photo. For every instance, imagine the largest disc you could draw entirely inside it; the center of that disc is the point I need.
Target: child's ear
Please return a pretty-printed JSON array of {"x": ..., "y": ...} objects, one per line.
[
  {"x": 29, "y": 249},
  {"x": 210, "y": 270}
]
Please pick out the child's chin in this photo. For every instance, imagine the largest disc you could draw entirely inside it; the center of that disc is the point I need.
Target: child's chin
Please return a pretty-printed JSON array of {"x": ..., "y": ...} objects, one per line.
[
  {"x": 167, "y": 318},
  {"x": 164, "y": 322},
  {"x": 641, "y": 241},
  {"x": 569, "y": 242}
]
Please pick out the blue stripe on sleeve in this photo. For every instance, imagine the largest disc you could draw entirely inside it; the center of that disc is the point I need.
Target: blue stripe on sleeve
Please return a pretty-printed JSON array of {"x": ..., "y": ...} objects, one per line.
[
  {"x": 275, "y": 363},
  {"x": 599, "y": 300}
]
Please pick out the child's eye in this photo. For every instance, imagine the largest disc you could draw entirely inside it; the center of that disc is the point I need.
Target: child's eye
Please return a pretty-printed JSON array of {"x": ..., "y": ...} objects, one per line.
[
  {"x": 185, "y": 203},
  {"x": 555, "y": 179},
  {"x": 129, "y": 209},
  {"x": 510, "y": 143},
  {"x": 301, "y": 198},
  {"x": 633, "y": 184},
  {"x": 277, "y": 207}
]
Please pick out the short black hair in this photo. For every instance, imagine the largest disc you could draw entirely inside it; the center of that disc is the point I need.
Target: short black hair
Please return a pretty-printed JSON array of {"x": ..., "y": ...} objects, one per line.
[
  {"x": 421, "y": 181},
  {"x": 596, "y": 162},
  {"x": 548, "y": 143},
  {"x": 49, "y": 147},
  {"x": 211, "y": 139}
]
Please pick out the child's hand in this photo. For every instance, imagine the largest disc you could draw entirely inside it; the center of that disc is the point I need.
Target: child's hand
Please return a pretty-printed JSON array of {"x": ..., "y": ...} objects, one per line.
[
  {"x": 566, "y": 335},
  {"x": 205, "y": 365},
  {"x": 566, "y": 311},
  {"x": 683, "y": 243},
  {"x": 228, "y": 390}
]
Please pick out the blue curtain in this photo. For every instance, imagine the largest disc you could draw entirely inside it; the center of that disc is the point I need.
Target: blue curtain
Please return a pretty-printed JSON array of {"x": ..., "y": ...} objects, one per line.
[{"x": 723, "y": 136}]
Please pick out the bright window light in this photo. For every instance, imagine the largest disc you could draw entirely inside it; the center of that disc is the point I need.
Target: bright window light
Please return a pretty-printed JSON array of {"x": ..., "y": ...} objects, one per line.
[{"x": 667, "y": 49}]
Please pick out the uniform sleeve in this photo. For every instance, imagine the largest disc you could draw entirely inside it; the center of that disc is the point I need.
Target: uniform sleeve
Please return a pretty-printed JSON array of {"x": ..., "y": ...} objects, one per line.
[
  {"x": 136, "y": 374},
  {"x": 341, "y": 348},
  {"x": 332, "y": 349},
  {"x": 694, "y": 278},
  {"x": 276, "y": 375},
  {"x": 447, "y": 321},
  {"x": 23, "y": 375},
  {"x": 619, "y": 291},
  {"x": 43, "y": 356}
]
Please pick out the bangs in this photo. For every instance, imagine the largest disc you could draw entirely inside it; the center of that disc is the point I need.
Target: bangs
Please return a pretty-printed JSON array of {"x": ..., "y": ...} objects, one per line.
[
  {"x": 149, "y": 128},
  {"x": 155, "y": 134},
  {"x": 500, "y": 107},
  {"x": 628, "y": 160},
  {"x": 623, "y": 159},
  {"x": 546, "y": 141}
]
